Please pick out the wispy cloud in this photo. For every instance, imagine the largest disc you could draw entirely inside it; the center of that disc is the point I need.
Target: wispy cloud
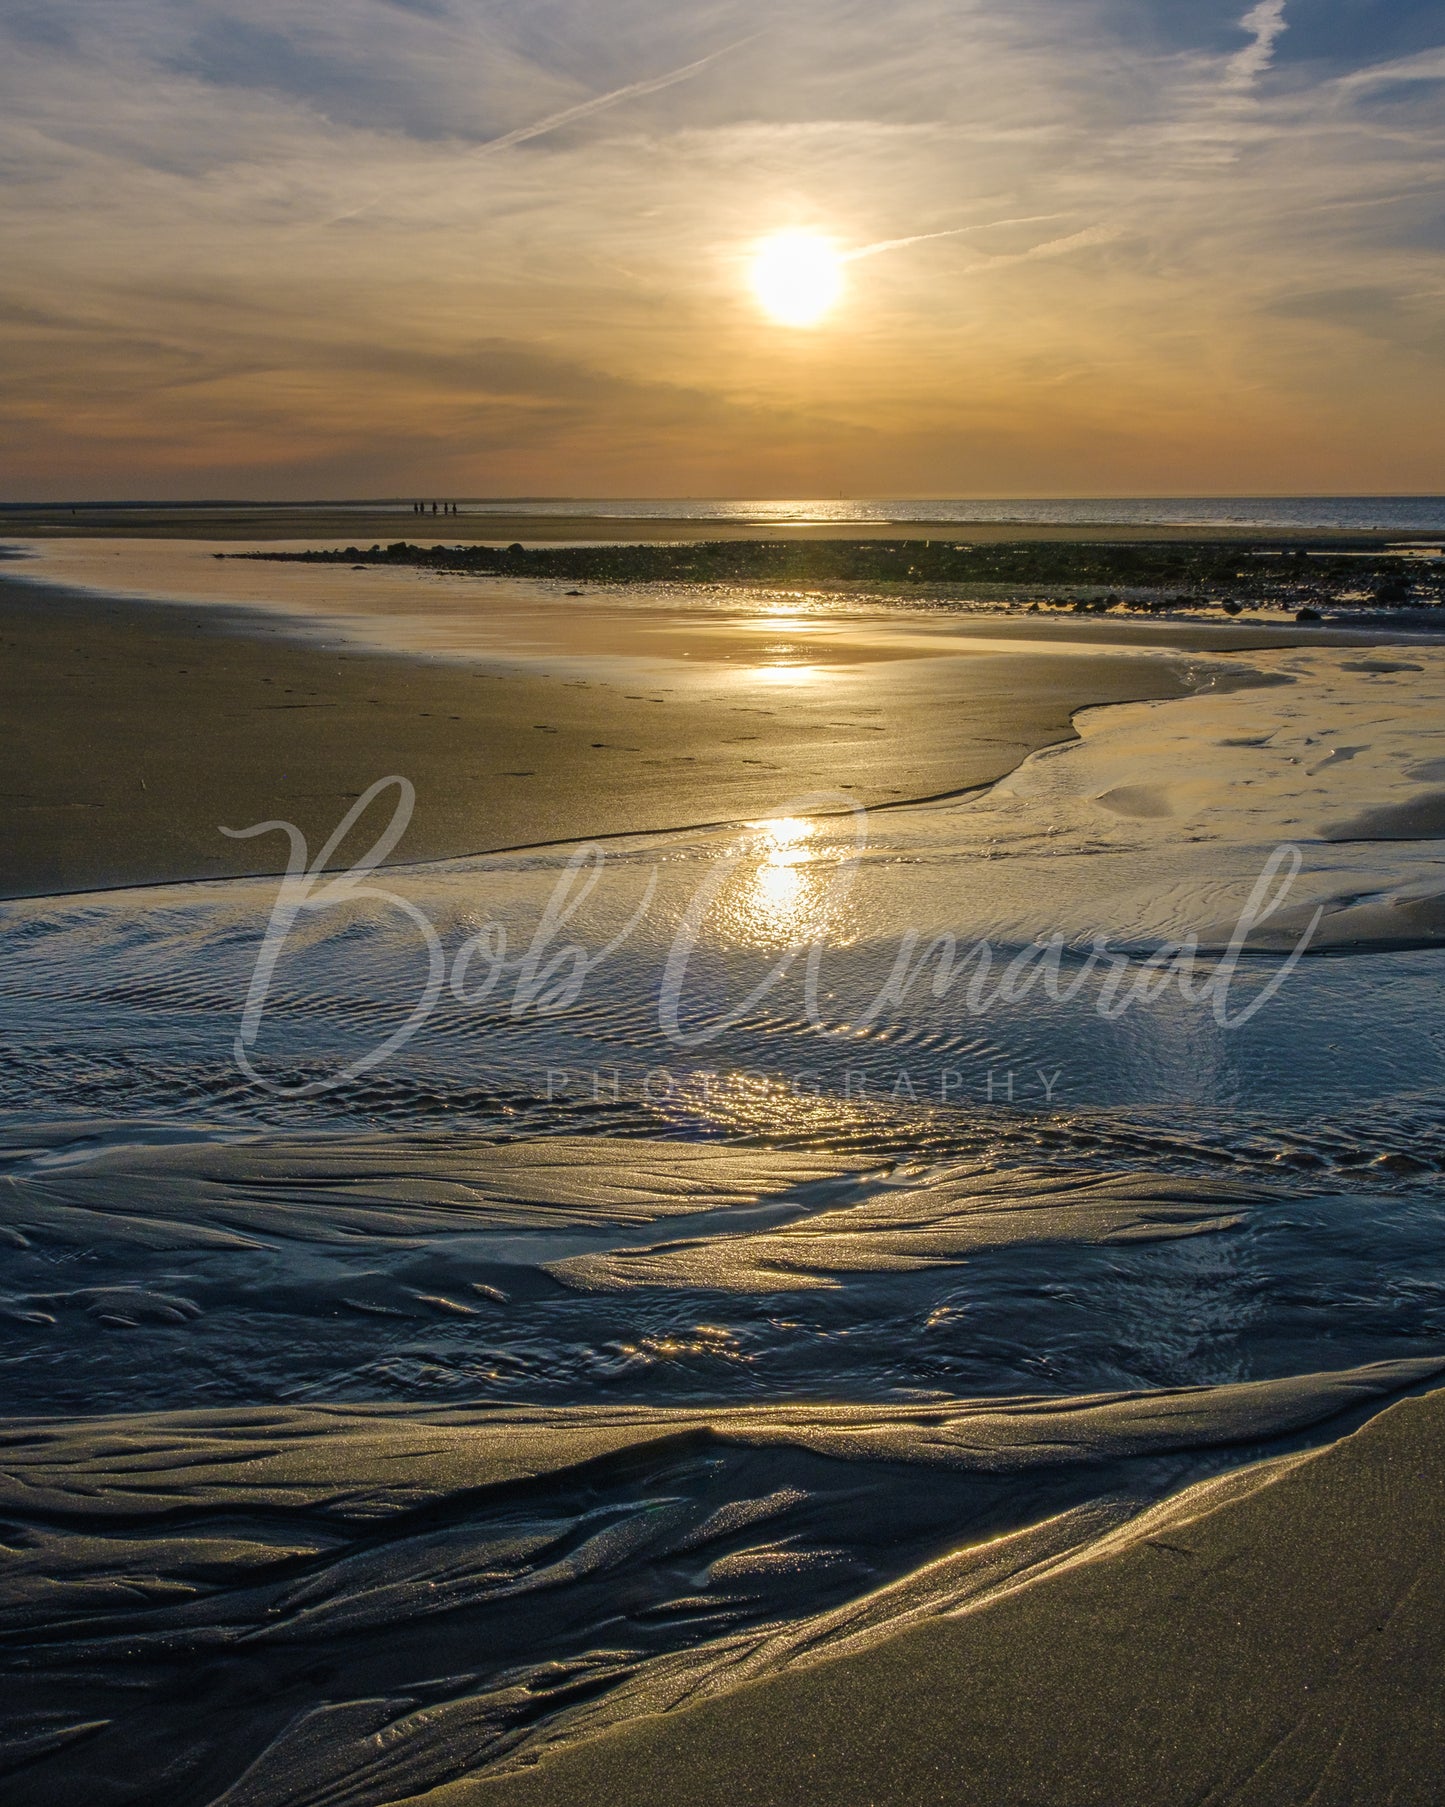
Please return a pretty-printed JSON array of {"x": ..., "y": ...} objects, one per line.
[
  {"x": 574, "y": 115},
  {"x": 1426, "y": 66},
  {"x": 1266, "y": 25},
  {"x": 1144, "y": 260}
]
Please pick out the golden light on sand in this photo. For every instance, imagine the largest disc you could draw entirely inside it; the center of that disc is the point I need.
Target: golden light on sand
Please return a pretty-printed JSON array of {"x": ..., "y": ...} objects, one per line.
[{"x": 797, "y": 277}]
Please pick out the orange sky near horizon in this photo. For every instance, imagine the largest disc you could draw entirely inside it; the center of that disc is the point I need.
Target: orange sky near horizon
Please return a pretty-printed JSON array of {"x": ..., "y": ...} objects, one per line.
[{"x": 387, "y": 248}]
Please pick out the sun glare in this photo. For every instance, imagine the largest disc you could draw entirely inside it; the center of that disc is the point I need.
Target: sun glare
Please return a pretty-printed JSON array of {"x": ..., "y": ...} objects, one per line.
[{"x": 797, "y": 277}]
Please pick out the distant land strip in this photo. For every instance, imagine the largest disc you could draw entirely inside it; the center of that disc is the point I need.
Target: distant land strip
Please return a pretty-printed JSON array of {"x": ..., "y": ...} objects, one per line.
[{"x": 1153, "y": 575}]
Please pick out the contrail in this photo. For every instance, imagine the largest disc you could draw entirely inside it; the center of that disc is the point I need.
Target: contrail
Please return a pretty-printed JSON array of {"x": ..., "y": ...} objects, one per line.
[
  {"x": 919, "y": 238},
  {"x": 584, "y": 110},
  {"x": 1051, "y": 247}
]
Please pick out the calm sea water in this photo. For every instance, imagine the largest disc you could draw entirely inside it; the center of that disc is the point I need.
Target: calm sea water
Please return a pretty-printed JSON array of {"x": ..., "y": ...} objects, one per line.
[{"x": 1405, "y": 514}]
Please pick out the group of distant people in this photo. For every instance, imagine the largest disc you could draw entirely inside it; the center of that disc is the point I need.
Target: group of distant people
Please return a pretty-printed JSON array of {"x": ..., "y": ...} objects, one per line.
[{"x": 436, "y": 508}]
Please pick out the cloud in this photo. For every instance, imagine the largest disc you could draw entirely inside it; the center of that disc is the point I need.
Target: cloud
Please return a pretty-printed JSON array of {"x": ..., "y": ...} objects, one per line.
[
  {"x": 574, "y": 115},
  {"x": 1266, "y": 24},
  {"x": 1425, "y": 66},
  {"x": 1134, "y": 239}
]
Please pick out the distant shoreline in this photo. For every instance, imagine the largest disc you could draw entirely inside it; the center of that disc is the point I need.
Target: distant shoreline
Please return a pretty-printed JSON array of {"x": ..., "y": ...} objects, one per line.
[
  {"x": 344, "y": 524},
  {"x": 1092, "y": 576}
]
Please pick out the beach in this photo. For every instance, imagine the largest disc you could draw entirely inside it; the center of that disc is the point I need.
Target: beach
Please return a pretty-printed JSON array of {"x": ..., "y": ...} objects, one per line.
[
  {"x": 1272, "y": 1640},
  {"x": 722, "y": 905},
  {"x": 643, "y": 1303},
  {"x": 135, "y": 731}
]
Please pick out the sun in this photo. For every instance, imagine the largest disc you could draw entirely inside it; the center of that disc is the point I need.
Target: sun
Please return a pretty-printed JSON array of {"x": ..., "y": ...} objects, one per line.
[{"x": 797, "y": 277}]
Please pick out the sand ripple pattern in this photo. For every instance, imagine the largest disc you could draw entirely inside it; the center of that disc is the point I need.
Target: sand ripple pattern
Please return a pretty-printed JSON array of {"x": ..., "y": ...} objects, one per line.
[
  {"x": 362, "y": 1442},
  {"x": 345, "y": 1464}
]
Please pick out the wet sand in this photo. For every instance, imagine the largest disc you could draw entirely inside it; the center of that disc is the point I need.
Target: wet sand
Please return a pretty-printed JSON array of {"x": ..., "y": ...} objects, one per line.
[
  {"x": 134, "y": 731},
  {"x": 1282, "y": 1646},
  {"x": 1273, "y": 1639}
]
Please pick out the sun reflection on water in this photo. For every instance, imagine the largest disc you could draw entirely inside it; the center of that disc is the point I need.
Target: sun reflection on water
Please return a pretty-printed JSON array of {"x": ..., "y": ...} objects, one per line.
[{"x": 779, "y": 890}]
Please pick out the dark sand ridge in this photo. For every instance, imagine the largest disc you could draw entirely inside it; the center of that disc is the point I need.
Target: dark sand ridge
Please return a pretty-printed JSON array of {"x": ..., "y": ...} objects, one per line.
[
  {"x": 133, "y": 731},
  {"x": 260, "y": 521},
  {"x": 1283, "y": 1647}
]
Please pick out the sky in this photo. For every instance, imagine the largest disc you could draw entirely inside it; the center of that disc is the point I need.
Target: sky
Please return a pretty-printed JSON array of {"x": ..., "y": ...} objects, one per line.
[{"x": 324, "y": 248}]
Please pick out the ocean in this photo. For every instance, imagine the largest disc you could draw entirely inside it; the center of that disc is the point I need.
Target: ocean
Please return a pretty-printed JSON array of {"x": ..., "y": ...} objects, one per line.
[
  {"x": 1402, "y": 514},
  {"x": 1363, "y": 514}
]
